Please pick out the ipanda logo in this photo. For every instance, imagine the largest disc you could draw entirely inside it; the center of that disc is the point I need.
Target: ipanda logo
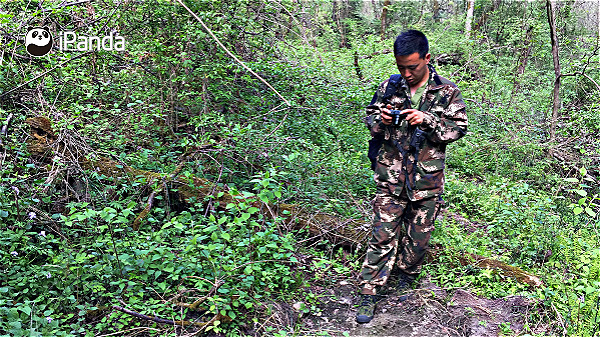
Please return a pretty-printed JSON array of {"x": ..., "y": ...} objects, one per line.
[{"x": 39, "y": 42}]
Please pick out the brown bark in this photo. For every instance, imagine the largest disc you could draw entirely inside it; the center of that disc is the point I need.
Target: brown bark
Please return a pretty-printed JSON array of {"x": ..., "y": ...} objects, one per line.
[
  {"x": 384, "y": 18},
  {"x": 339, "y": 13},
  {"x": 478, "y": 261},
  {"x": 556, "y": 91},
  {"x": 436, "y": 11},
  {"x": 374, "y": 6},
  {"x": 486, "y": 13},
  {"x": 522, "y": 63},
  {"x": 357, "y": 66},
  {"x": 525, "y": 52}
]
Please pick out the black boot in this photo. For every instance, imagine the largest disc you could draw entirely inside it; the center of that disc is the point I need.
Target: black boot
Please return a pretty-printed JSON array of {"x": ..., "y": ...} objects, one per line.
[
  {"x": 366, "y": 308},
  {"x": 405, "y": 282}
]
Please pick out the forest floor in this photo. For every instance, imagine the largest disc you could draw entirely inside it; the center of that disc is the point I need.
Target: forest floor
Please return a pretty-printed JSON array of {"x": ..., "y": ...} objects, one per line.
[{"x": 429, "y": 311}]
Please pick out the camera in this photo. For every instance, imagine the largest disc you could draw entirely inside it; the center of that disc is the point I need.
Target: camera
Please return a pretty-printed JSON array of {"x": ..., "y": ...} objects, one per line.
[{"x": 397, "y": 117}]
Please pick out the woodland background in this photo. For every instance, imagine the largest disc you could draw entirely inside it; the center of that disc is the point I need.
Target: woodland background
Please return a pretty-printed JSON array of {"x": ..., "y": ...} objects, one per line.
[{"x": 156, "y": 187}]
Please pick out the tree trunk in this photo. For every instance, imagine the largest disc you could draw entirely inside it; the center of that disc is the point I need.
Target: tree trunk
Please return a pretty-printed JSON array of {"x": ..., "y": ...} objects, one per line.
[
  {"x": 436, "y": 11},
  {"x": 556, "y": 92},
  {"x": 307, "y": 22},
  {"x": 483, "y": 19},
  {"x": 336, "y": 13},
  {"x": 384, "y": 18},
  {"x": 374, "y": 7},
  {"x": 525, "y": 51},
  {"x": 470, "y": 7}
]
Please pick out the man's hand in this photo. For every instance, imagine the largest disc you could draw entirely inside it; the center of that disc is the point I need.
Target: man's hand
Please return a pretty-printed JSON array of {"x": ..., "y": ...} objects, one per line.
[
  {"x": 414, "y": 116},
  {"x": 386, "y": 118}
]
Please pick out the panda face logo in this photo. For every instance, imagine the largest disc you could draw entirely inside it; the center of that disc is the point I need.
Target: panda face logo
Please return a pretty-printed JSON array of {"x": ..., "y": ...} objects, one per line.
[{"x": 38, "y": 41}]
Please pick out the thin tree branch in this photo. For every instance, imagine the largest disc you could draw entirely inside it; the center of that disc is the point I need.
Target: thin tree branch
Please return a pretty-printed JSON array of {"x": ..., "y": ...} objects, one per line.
[
  {"x": 582, "y": 74},
  {"x": 231, "y": 54},
  {"x": 45, "y": 72},
  {"x": 68, "y": 4},
  {"x": 158, "y": 319}
]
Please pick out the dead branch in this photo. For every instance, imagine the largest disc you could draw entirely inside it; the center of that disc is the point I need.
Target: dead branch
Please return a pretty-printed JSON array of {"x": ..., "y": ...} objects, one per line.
[
  {"x": 150, "y": 202},
  {"x": 4, "y": 129},
  {"x": 468, "y": 259},
  {"x": 196, "y": 304},
  {"x": 159, "y": 320},
  {"x": 68, "y": 5},
  {"x": 385, "y": 51}
]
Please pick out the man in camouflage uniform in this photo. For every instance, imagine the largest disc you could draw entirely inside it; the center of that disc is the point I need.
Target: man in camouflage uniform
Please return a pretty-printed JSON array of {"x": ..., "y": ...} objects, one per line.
[{"x": 409, "y": 166}]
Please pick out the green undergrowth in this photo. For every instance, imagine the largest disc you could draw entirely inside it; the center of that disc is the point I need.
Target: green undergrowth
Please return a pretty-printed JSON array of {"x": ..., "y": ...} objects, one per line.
[
  {"x": 69, "y": 252},
  {"x": 527, "y": 228},
  {"x": 233, "y": 257}
]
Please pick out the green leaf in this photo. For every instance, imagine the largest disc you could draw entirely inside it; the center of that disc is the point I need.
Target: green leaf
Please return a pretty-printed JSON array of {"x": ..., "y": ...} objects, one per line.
[
  {"x": 583, "y": 171},
  {"x": 572, "y": 180},
  {"x": 577, "y": 210},
  {"x": 590, "y": 212},
  {"x": 26, "y": 310},
  {"x": 581, "y": 192}
]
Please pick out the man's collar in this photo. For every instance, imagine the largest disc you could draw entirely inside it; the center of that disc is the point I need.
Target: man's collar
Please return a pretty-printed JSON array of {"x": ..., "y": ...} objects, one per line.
[{"x": 434, "y": 79}]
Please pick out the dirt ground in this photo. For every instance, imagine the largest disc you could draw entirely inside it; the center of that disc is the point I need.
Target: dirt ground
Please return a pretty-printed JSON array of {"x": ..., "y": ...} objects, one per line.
[{"x": 430, "y": 311}]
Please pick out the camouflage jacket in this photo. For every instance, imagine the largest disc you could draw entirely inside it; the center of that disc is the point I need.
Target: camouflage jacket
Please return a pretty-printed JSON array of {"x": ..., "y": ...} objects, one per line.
[{"x": 399, "y": 166}]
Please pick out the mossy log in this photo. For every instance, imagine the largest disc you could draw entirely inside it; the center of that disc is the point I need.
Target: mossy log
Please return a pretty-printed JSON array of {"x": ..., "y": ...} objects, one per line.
[
  {"x": 478, "y": 261},
  {"x": 520, "y": 275}
]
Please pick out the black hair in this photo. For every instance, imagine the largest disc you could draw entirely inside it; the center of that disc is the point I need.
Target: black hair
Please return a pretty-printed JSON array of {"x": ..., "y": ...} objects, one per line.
[{"x": 410, "y": 42}]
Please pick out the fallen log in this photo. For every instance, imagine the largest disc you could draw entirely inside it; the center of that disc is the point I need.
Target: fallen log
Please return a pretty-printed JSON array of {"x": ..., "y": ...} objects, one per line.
[
  {"x": 350, "y": 232},
  {"x": 468, "y": 259}
]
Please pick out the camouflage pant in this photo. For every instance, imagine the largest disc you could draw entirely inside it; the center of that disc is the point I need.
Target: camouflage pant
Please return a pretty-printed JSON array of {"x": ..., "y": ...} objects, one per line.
[{"x": 417, "y": 218}]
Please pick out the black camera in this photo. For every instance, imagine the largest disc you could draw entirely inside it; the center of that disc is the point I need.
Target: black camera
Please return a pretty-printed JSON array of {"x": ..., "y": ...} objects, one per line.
[{"x": 397, "y": 117}]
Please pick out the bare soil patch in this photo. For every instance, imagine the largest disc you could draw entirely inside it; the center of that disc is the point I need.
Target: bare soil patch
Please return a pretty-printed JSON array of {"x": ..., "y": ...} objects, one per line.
[{"x": 430, "y": 311}]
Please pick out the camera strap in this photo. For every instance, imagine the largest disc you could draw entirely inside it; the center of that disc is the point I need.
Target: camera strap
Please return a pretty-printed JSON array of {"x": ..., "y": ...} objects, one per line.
[{"x": 394, "y": 83}]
